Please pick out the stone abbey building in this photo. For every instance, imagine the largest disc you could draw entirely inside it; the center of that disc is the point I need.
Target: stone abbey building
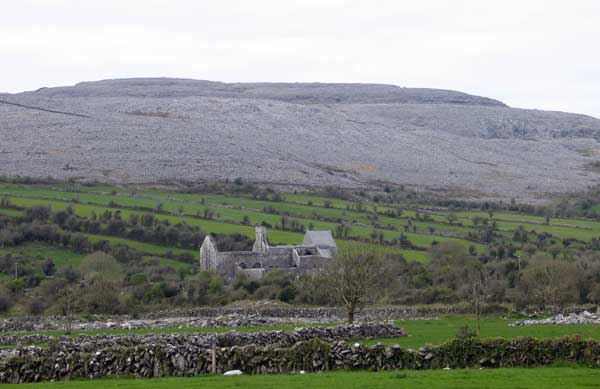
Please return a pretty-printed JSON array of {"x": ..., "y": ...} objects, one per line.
[{"x": 313, "y": 254}]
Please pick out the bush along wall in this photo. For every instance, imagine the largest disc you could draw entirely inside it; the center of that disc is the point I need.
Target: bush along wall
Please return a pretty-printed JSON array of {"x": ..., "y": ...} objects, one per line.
[{"x": 156, "y": 360}]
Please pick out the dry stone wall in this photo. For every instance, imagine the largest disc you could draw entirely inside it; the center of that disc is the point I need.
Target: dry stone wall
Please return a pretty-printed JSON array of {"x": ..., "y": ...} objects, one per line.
[
  {"x": 156, "y": 360},
  {"x": 331, "y": 313},
  {"x": 159, "y": 355},
  {"x": 226, "y": 317},
  {"x": 227, "y": 339},
  {"x": 259, "y": 316},
  {"x": 125, "y": 322}
]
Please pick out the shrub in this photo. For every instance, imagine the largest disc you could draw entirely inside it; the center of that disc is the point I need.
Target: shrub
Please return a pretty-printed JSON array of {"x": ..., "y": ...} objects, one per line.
[
  {"x": 17, "y": 285},
  {"x": 101, "y": 265},
  {"x": 71, "y": 275},
  {"x": 102, "y": 296},
  {"x": 138, "y": 279},
  {"x": 36, "y": 306},
  {"x": 48, "y": 267},
  {"x": 51, "y": 288},
  {"x": 465, "y": 332},
  {"x": 287, "y": 294},
  {"x": 4, "y": 302}
]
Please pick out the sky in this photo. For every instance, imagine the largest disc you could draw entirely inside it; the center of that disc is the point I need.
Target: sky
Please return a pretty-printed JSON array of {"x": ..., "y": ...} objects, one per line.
[{"x": 542, "y": 54}]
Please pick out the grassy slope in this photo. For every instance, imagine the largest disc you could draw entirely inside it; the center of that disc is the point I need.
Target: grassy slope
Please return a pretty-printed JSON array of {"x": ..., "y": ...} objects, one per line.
[
  {"x": 216, "y": 227},
  {"x": 234, "y": 209},
  {"x": 140, "y": 246},
  {"x": 564, "y": 228},
  {"x": 61, "y": 257},
  {"x": 547, "y": 377},
  {"x": 10, "y": 212},
  {"x": 228, "y": 208}
]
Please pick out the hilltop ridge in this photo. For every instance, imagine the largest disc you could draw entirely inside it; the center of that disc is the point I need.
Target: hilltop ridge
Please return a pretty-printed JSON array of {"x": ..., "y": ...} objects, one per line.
[{"x": 300, "y": 93}]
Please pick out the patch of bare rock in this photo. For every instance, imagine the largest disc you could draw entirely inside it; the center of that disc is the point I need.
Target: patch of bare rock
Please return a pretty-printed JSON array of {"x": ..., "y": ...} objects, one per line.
[{"x": 584, "y": 317}]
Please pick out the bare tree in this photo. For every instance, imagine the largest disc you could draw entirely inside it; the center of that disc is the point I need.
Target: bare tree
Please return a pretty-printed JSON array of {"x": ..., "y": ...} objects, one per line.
[
  {"x": 351, "y": 275},
  {"x": 69, "y": 303},
  {"x": 477, "y": 288},
  {"x": 548, "y": 281}
]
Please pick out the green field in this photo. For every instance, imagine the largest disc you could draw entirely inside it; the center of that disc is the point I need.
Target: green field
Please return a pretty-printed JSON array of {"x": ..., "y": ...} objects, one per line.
[
  {"x": 545, "y": 377},
  {"x": 373, "y": 226},
  {"x": 10, "y": 212},
  {"x": 226, "y": 208},
  {"x": 226, "y": 218},
  {"x": 143, "y": 247},
  {"x": 60, "y": 257},
  {"x": 420, "y": 332},
  {"x": 238, "y": 214},
  {"x": 423, "y": 332}
]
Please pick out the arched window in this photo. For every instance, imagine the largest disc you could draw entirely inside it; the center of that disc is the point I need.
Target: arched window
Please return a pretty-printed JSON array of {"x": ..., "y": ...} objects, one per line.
[
  {"x": 257, "y": 265},
  {"x": 242, "y": 265}
]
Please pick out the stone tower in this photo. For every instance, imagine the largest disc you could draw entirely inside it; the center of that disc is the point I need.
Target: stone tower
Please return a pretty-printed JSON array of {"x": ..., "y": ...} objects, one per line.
[
  {"x": 261, "y": 244},
  {"x": 208, "y": 254}
]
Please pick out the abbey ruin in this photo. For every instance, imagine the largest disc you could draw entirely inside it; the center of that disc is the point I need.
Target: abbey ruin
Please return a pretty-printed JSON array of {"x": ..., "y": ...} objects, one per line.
[{"x": 313, "y": 254}]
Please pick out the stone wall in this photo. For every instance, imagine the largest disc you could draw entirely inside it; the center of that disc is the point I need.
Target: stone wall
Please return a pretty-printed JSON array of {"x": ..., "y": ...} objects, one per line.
[
  {"x": 226, "y": 339},
  {"x": 261, "y": 316},
  {"x": 228, "y": 262},
  {"x": 156, "y": 355},
  {"x": 156, "y": 360},
  {"x": 163, "y": 320},
  {"x": 364, "y": 314},
  {"x": 208, "y": 254},
  {"x": 332, "y": 313}
]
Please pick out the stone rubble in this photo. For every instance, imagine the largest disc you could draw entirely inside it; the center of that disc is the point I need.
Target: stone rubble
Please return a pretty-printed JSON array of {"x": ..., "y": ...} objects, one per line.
[{"x": 573, "y": 318}]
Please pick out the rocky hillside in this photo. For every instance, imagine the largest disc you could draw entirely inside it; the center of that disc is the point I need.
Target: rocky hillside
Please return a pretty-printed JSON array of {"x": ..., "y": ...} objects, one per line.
[{"x": 148, "y": 130}]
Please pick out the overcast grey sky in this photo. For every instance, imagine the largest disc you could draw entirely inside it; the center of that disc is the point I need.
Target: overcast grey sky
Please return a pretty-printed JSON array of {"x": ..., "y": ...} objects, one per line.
[{"x": 530, "y": 53}]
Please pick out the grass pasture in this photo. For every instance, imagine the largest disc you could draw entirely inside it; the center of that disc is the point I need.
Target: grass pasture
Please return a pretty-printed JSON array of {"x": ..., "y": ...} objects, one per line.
[
  {"x": 10, "y": 212},
  {"x": 226, "y": 217},
  {"x": 423, "y": 332},
  {"x": 545, "y": 377},
  {"x": 60, "y": 257},
  {"x": 238, "y": 213}
]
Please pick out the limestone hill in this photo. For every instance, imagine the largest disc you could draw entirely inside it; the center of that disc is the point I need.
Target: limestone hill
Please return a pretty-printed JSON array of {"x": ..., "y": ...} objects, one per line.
[{"x": 148, "y": 130}]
